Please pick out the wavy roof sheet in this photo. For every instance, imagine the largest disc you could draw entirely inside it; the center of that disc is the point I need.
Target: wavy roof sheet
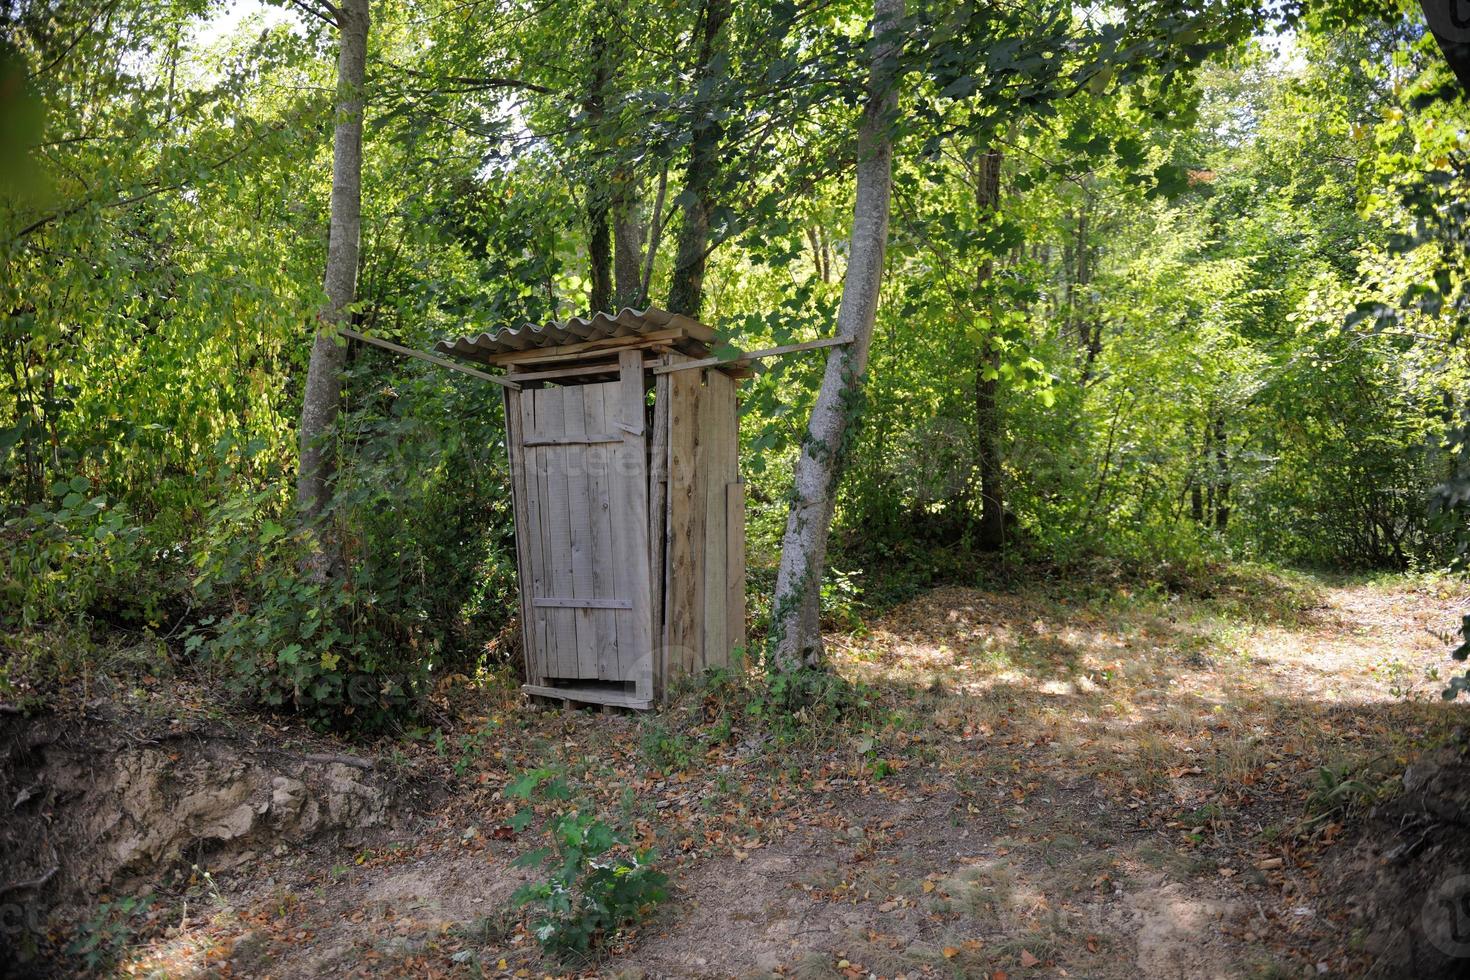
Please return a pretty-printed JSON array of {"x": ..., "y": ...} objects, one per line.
[{"x": 628, "y": 322}]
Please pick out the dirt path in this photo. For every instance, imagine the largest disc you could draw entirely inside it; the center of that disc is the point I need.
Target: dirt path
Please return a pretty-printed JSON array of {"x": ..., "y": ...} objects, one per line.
[{"x": 1048, "y": 784}]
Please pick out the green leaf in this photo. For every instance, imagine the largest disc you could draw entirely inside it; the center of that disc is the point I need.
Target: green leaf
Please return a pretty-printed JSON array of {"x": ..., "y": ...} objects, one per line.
[{"x": 532, "y": 859}]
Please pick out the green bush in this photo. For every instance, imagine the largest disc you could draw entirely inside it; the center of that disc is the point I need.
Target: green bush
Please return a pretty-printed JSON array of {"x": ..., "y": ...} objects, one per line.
[
  {"x": 281, "y": 639},
  {"x": 77, "y": 556}
]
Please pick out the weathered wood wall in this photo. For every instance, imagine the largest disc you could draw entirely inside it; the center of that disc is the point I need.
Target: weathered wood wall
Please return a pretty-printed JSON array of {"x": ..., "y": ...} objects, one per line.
[
  {"x": 594, "y": 484},
  {"x": 580, "y": 483},
  {"x": 704, "y": 561}
]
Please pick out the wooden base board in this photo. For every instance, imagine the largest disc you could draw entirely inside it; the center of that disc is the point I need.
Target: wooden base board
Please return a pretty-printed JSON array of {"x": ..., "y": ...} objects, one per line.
[{"x": 589, "y": 695}]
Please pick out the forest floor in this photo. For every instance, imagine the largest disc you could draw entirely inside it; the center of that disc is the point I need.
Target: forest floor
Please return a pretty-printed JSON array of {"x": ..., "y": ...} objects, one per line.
[{"x": 1052, "y": 779}]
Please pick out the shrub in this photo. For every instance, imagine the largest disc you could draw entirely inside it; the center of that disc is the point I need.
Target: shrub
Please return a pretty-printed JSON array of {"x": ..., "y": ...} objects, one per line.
[
  {"x": 78, "y": 555},
  {"x": 285, "y": 641}
]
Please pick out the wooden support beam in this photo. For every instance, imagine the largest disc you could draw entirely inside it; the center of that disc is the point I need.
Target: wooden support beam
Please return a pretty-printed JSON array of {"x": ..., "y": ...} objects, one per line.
[
  {"x": 611, "y": 368},
  {"x": 431, "y": 358},
  {"x": 751, "y": 356},
  {"x": 589, "y": 695},
  {"x": 554, "y": 353}
]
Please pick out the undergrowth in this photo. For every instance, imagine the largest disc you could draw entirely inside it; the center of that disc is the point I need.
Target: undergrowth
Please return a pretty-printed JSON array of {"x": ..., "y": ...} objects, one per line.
[{"x": 595, "y": 882}]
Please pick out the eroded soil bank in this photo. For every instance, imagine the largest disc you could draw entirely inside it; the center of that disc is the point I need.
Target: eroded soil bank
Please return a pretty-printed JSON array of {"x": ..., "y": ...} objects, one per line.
[{"x": 1044, "y": 782}]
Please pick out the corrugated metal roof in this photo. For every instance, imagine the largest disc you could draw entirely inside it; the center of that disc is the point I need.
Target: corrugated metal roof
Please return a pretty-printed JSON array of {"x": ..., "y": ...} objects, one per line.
[{"x": 626, "y": 323}]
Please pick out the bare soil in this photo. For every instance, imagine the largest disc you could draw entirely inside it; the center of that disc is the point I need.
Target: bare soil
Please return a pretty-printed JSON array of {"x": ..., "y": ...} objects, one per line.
[{"x": 1044, "y": 782}]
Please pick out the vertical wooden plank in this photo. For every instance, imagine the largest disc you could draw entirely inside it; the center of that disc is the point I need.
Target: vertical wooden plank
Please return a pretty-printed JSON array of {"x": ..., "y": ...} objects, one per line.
[
  {"x": 682, "y": 629},
  {"x": 735, "y": 561},
  {"x": 604, "y": 623},
  {"x": 715, "y": 428},
  {"x": 515, "y": 459},
  {"x": 630, "y": 527},
  {"x": 561, "y": 623},
  {"x": 579, "y": 534},
  {"x": 658, "y": 487},
  {"x": 535, "y": 484}
]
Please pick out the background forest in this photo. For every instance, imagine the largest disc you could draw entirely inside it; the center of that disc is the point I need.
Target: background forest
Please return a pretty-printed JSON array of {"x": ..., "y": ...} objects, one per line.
[{"x": 1161, "y": 292}]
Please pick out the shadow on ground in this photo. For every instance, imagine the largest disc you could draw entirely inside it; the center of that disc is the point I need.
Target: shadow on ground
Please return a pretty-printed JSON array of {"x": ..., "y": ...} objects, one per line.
[{"x": 1110, "y": 783}]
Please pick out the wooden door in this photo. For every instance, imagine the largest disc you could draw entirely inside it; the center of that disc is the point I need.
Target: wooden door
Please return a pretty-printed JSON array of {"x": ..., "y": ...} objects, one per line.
[{"x": 579, "y": 463}]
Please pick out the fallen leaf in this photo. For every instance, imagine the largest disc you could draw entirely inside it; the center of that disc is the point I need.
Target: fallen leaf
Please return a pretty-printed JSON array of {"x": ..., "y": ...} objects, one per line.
[
  {"x": 950, "y": 952},
  {"x": 1027, "y": 960}
]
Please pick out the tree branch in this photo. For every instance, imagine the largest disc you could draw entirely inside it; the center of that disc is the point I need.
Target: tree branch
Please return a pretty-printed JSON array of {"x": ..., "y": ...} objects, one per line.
[{"x": 324, "y": 12}]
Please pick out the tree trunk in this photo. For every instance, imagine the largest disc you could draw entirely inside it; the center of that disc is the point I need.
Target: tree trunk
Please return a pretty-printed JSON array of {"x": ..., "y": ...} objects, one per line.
[
  {"x": 323, "y": 395},
  {"x": 1222, "y": 476},
  {"x": 1197, "y": 465},
  {"x": 599, "y": 222},
  {"x": 1093, "y": 342},
  {"x": 816, "y": 247},
  {"x": 655, "y": 234},
  {"x": 686, "y": 288},
  {"x": 987, "y": 376},
  {"x": 796, "y": 636},
  {"x": 1088, "y": 324},
  {"x": 627, "y": 242},
  {"x": 599, "y": 254}
]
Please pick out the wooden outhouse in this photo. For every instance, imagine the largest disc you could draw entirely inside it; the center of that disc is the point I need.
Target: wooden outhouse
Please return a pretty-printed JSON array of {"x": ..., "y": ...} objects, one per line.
[{"x": 629, "y": 508}]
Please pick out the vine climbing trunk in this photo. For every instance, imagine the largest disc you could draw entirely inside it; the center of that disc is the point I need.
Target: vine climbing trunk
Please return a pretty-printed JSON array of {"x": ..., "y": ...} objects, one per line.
[
  {"x": 323, "y": 397},
  {"x": 796, "y": 636},
  {"x": 686, "y": 287},
  {"x": 987, "y": 373}
]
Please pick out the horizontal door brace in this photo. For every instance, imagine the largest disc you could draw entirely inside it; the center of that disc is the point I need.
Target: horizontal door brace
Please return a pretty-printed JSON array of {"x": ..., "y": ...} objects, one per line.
[
  {"x": 569, "y": 440},
  {"x": 562, "y": 603}
]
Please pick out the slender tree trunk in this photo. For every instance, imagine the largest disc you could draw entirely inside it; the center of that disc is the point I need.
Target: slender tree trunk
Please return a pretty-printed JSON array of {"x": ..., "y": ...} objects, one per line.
[
  {"x": 599, "y": 198},
  {"x": 627, "y": 241},
  {"x": 1092, "y": 349},
  {"x": 987, "y": 377},
  {"x": 655, "y": 234},
  {"x": 1222, "y": 476},
  {"x": 1069, "y": 285},
  {"x": 686, "y": 289},
  {"x": 1082, "y": 274},
  {"x": 1196, "y": 478},
  {"x": 599, "y": 256},
  {"x": 816, "y": 247},
  {"x": 323, "y": 395},
  {"x": 1207, "y": 468},
  {"x": 795, "y": 617}
]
